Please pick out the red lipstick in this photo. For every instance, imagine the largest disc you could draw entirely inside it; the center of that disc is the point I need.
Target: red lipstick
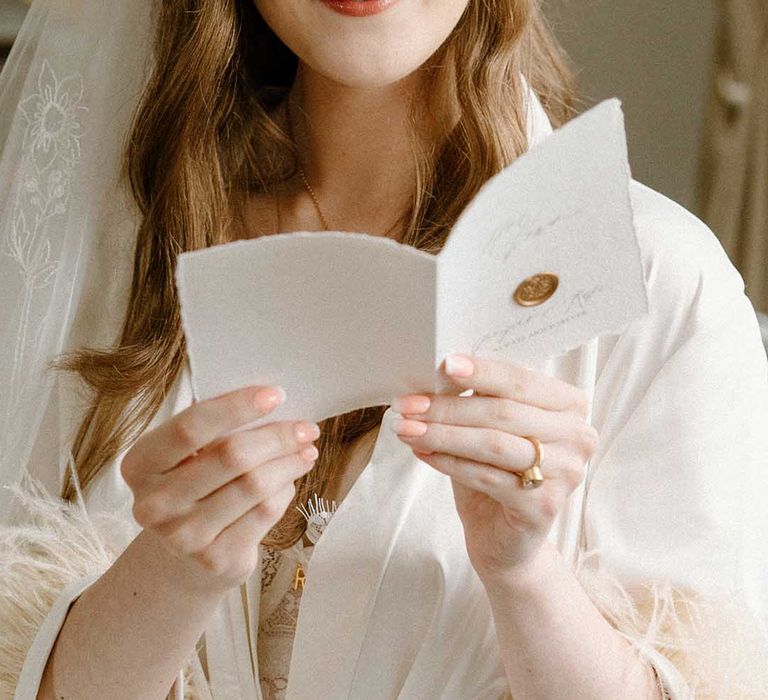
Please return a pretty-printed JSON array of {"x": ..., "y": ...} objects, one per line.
[{"x": 359, "y": 8}]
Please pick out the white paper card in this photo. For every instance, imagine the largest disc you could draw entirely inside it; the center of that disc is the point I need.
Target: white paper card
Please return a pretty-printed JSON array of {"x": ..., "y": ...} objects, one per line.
[{"x": 344, "y": 320}]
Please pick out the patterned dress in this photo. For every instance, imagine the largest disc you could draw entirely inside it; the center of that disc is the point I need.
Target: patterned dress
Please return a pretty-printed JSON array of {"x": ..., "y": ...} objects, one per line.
[{"x": 278, "y": 614}]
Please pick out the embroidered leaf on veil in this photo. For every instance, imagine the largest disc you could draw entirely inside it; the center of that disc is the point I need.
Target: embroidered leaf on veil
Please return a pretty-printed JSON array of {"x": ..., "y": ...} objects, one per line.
[{"x": 50, "y": 151}]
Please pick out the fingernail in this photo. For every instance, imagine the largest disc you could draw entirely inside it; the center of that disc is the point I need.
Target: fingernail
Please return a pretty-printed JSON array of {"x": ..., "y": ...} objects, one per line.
[
  {"x": 309, "y": 453},
  {"x": 459, "y": 366},
  {"x": 411, "y": 404},
  {"x": 307, "y": 431},
  {"x": 269, "y": 398},
  {"x": 409, "y": 428}
]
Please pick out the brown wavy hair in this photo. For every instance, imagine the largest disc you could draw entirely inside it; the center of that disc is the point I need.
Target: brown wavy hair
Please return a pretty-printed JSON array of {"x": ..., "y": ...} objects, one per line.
[{"x": 219, "y": 65}]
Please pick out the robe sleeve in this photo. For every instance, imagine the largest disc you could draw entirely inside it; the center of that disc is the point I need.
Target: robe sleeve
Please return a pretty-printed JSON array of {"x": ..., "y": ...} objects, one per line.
[
  {"x": 50, "y": 552},
  {"x": 675, "y": 523}
]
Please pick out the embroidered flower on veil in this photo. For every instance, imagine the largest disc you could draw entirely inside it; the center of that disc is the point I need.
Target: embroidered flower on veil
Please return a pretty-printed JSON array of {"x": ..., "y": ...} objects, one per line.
[
  {"x": 53, "y": 114},
  {"x": 50, "y": 150}
]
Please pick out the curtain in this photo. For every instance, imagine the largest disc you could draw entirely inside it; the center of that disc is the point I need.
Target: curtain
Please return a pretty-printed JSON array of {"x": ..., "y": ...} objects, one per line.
[{"x": 732, "y": 188}]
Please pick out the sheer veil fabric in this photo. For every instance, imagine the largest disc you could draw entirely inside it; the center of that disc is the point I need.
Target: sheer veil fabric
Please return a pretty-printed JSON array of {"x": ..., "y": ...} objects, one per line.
[{"x": 67, "y": 225}]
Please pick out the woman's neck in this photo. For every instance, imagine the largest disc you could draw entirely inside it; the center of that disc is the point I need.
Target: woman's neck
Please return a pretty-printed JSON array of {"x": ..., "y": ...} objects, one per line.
[{"x": 356, "y": 149}]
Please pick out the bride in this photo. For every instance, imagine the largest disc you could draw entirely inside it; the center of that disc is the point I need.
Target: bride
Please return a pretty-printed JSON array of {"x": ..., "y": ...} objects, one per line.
[{"x": 147, "y": 551}]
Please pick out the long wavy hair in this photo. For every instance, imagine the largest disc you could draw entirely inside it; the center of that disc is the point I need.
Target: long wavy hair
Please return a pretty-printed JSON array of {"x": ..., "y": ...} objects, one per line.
[{"x": 219, "y": 65}]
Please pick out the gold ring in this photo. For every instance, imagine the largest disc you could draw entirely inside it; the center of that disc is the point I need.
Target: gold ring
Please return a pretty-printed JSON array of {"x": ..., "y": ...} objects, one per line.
[{"x": 532, "y": 477}]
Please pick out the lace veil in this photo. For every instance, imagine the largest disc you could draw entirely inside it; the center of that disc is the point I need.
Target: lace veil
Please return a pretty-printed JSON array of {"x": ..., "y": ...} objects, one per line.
[{"x": 68, "y": 93}]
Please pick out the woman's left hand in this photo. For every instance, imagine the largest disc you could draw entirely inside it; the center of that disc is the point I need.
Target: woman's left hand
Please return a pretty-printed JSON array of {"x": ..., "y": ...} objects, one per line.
[{"x": 478, "y": 441}]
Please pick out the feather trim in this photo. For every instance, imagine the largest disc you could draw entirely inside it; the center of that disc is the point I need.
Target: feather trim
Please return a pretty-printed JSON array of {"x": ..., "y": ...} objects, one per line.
[
  {"x": 49, "y": 544},
  {"x": 713, "y": 642}
]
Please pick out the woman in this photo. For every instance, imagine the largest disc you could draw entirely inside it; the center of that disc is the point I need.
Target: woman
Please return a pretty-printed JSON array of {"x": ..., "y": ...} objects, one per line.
[{"x": 634, "y": 570}]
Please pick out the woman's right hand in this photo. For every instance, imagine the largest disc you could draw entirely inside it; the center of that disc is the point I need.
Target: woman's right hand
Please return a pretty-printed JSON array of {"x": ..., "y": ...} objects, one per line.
[{"x": 211, "y": 497}]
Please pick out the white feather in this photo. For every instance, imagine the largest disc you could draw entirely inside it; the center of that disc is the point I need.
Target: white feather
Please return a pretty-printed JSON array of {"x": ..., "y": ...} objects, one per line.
[
  {"x": 713, "y": 641},
  {"x": 48, "y": 544}
]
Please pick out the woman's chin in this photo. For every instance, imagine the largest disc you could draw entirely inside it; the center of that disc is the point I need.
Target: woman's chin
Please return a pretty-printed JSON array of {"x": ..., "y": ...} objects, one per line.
[
  {"x": 363, "y": 74},
  {"x": 338, "y": 40}
]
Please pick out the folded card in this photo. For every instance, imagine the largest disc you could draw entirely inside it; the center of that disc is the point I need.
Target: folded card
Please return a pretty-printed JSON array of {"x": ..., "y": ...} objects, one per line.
[{"x": 543, "y": 259}]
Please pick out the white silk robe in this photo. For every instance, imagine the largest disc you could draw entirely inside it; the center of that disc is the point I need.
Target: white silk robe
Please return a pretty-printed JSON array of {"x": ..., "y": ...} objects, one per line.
[{"x": 670, "y": 512}]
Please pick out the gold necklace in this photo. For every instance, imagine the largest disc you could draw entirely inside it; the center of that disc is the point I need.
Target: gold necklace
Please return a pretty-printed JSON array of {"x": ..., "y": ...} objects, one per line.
[
  {"x": 319, "y": 211},
  {"x": 314, "y": 199},
  {"x": 303, "y": 176},
  {"x": 308, "y": 187},
  {"x": 312, "y": 194}
]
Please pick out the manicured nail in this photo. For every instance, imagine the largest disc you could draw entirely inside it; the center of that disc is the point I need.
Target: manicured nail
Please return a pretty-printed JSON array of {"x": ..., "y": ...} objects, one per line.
[
  {"x": 269, "y": 398},
  {"x": 409, "y": 428},
  {"x": 307, "y": 431},
  {"x": 309, "y": 453},
  {"x": 459, "y": 366},
  {"x": 413, "y": 403}
]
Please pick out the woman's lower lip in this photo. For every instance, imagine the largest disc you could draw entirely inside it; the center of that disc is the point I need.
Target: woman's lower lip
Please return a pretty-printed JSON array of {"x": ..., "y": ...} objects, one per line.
[{"x": 359, "y": 8}]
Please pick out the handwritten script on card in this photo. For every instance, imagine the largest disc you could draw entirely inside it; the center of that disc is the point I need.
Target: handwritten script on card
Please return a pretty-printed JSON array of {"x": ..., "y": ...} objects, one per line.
[{"x": 345, "y": 320}]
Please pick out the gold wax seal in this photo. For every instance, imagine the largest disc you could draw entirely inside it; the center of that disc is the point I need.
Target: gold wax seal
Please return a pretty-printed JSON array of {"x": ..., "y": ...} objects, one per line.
[{"x": 536, "y": 289}]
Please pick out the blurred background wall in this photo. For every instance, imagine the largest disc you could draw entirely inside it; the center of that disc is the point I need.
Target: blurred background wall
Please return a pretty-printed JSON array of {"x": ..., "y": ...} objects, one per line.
[
  {"x": 655, "y": 55},
  {"x": 693, "y": 80},
  {"x": 11, "y": 15}
]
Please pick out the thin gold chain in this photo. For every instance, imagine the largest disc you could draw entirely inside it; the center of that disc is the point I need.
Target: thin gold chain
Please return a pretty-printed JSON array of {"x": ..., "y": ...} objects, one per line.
[
  {"x": 303, "y": 176},
  {"x": 319, "y": 211},
  {"x": 314, "y": 199},
  {"x": 308, "y": 187}
]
